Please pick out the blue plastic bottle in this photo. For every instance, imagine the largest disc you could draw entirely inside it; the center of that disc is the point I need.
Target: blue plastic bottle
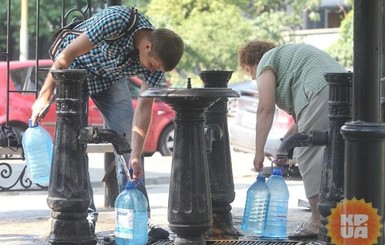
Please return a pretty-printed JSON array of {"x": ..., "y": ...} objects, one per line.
[
  {"x": 257, "y": 200},
  {"x": 37, "y": 146},
  {"x": 131, "y": 217},
  {"x": 276, "y": 218}
]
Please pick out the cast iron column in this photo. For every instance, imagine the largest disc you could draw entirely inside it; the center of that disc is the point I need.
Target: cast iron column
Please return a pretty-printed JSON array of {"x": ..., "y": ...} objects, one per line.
[
  {"x": 219, "y": 158},
  {"x": 382, "y": 100},
  {"x": 332, "y": 181},
  {"x": 365, "y": 135},
  {"x": 69, "y": 190},
  {"x": 382, "y": 81},
  {"x": 111, "y": 188},
  {"x": 189, "y": 209}
]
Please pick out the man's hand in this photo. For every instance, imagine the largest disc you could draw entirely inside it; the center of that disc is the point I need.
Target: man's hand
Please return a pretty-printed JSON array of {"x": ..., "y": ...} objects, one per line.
[
  {"x": 137, "y": 170},
  {"x": 46, "y": 97},
  {"x": 37, "y": 107}
]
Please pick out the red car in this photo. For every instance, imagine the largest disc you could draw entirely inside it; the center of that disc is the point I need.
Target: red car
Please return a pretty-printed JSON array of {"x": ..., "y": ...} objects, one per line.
[{"x": 160, "y": 136}]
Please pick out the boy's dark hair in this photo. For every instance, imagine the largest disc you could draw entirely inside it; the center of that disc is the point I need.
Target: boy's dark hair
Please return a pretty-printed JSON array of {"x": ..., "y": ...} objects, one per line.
[{"x": 167, "y": 46}]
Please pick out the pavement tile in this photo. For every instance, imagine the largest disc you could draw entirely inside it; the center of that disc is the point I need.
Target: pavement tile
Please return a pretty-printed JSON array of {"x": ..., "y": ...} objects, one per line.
[{"x": 24, "y": 214}]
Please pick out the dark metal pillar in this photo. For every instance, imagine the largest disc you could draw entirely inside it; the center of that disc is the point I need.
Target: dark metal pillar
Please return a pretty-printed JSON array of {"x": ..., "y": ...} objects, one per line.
[
  {"x": 383, "y": 99},
  {"x": 69, "y": 190},
  {"x": 382, "y": 84},
  {"x": 189, "y": 209},
  {"x": 332, "y": 181},
  {"x": 219, "y": 159},
  {"x": 367, "y": 48},
  {"x": 111, "y": 190},
  {"x": 365, "y": 135}
]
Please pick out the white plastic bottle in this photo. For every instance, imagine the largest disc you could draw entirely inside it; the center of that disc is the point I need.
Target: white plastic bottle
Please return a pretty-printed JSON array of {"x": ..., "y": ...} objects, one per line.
[
  {"x": 276, "y": 219},
  {"x": 131, "y": 217},
  {"x": 38, "y": 147}
]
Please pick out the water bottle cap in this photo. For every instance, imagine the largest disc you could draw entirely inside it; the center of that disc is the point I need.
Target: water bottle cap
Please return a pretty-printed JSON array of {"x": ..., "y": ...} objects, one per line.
[
  {"x": 277, "y": 171},
  {"x": 130, "y": 185},
  {"x": 30, "y": 123},
  {"x": 261, "y": 177}
]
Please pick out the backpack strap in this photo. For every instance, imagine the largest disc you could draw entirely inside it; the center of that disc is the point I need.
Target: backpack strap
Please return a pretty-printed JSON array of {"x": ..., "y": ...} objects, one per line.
[
  {"x": 60, "y": 35},
  {"x": 128, "y": 29},
  {"x": 69, "y": 29}
]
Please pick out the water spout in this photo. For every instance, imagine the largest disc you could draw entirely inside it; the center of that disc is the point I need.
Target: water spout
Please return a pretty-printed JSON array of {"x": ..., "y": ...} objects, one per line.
[
  {"x": 313, "y": 138},
  {"x": 95, "y": 135},
  {"x": 212, "y": 133}
]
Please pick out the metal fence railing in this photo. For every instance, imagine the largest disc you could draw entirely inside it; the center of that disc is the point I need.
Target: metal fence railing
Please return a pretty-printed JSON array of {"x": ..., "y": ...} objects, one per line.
[{"x": 13, "y": 170}]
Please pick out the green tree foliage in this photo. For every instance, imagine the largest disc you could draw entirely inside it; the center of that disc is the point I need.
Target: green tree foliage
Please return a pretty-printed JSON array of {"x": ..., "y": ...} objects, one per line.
[
  {"x": 49, "y": 20},
  {"x": 342, "y": 50},
  {"x": 272, "y": 19},
  {"x": 212, "y": 29},
  {"x": 139, "y": 4}
]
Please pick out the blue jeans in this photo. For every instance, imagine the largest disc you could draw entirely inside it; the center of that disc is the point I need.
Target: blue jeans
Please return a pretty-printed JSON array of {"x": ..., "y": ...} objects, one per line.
[{"x": 115, "y": 104}]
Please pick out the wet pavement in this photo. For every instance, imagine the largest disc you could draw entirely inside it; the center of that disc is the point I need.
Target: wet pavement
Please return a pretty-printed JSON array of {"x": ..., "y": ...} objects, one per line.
[{"x": 24, "y": 214}]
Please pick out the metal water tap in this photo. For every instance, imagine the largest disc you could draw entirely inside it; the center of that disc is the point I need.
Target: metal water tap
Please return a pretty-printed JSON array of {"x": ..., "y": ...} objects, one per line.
[
  {"x": 96, "y": 135},
  {"x": 313, "y": 138},
  {"x": 213, "y": 132}
]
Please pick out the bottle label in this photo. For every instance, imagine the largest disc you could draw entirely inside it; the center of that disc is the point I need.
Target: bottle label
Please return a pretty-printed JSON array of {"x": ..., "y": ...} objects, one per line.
[{"x": 124, "y": 223}]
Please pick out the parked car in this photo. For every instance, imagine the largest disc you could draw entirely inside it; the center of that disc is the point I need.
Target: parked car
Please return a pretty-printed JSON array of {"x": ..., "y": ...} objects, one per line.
[
  {"x": 240, "y": 87},
  {"x": 160, "y": 136},
  {"x": 242, "y": 132}
]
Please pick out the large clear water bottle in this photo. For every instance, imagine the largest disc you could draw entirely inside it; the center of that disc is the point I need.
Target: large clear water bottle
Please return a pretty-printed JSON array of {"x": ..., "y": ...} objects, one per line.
[
  {"x": 257, "y": 200},
  {"x": 37, "y": 147},
  {"x": 276, "y": 219},
  {"x": 131, "y": 217}
]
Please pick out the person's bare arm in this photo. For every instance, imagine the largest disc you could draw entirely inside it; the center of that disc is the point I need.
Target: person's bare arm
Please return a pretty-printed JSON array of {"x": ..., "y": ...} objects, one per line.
[
  {"x": 265, "y": 114},
  {"x": 140, "y": 125},
  {"x": 79, "y": 46}
]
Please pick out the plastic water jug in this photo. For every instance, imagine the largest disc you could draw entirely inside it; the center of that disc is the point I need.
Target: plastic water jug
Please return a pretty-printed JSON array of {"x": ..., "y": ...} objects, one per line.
[
  {"x": 131, "y": 217},
  {"x": 276, "y": 219},
  {"x": 257, "y": 199},
  {"x": 37, "y": 147}
]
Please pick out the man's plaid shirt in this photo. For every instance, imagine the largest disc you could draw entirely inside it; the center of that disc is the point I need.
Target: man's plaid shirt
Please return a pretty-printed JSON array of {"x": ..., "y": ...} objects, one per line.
[{"x": 107, "y": 62}]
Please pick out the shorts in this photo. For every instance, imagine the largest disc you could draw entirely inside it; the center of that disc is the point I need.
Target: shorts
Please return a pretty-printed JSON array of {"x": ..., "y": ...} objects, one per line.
[{"x": 314, "y": 117}]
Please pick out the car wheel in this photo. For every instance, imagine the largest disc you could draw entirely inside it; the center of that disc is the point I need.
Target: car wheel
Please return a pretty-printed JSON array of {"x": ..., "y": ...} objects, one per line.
[{"x": 166, "y": 141}]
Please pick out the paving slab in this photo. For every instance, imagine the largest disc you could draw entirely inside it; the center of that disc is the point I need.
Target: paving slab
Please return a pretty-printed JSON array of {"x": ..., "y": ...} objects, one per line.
[{"x": 24, "y": 215}]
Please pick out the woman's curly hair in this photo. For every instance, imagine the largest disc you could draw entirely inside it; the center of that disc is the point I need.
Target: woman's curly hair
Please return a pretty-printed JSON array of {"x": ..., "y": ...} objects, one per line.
[{"x": 251, "y": 52}]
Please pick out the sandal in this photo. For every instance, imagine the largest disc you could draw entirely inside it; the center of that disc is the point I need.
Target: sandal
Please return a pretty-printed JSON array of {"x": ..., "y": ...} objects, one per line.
[{"x": 304, "y": 230}]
